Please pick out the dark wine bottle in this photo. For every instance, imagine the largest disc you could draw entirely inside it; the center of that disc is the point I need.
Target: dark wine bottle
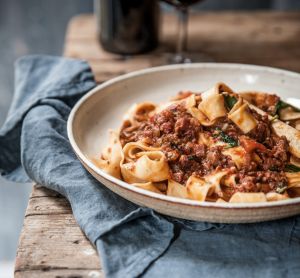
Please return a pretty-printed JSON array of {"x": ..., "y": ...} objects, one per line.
[{"x": 128, "y": 26}]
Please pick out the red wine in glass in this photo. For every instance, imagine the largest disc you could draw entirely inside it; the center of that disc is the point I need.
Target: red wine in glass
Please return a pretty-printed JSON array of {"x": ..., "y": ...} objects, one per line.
[{"x": 181, "y": 55}]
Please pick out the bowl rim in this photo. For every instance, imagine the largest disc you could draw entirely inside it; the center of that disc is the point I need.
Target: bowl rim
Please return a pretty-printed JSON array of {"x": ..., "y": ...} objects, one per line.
[{"x": 157, "y": 196}]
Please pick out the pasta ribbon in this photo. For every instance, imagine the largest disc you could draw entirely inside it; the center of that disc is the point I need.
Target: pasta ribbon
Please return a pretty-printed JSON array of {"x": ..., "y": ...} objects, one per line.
[
  {"x": 295, "y": 160},
  {"x": 134, "y": 150},
  {"x": 157, "y": 188},
  {"x": 198, "y": 189},
  {"x": 215, "y": 179},
  {"x": 293, "y": 179},
  {"x": 241, "y": 197},
  {"x": 196, "y": 113},
  {"x": 205, "y": 139},
  {"x": 175, "y": 189},
  {"x": 190, "y": 101},
  {"x": 139, "y": 112},
  {"x": 273, "y": 196},
  {"x": 212, "y": 104},
  {"x": 229, "y": 180},
  {"x": 241, "y": 116},
  {"x": 143, "y": 164},
  {"x": 237, "y": 154},
  {"x": 291, "y": 134},
  {"x": 220, "y": 200},
  {"x": 289, "y": 114},
  {"x": 297, "y": 124},
  {"x": 111, "y": 157}
]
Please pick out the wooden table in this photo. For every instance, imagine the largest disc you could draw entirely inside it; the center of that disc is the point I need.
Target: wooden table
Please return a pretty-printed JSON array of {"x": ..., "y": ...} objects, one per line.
[{"x": 51, "y": 243}]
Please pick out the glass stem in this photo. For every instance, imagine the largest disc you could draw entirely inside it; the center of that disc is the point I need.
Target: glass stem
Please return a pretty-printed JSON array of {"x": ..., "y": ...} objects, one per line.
[{"x": 182, "y": 36}]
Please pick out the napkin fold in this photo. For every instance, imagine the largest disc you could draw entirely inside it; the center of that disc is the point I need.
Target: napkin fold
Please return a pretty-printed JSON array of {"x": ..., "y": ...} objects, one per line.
[{"x": 133, "y": 241}]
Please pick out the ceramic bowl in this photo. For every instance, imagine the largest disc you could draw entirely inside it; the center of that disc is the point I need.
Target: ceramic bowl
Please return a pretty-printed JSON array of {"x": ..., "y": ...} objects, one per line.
[{"x": 103, "y": 108}]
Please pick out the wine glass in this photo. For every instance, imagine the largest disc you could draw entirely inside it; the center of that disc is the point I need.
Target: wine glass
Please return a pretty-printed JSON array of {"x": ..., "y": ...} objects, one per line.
[{"x": 181, "y": 55}]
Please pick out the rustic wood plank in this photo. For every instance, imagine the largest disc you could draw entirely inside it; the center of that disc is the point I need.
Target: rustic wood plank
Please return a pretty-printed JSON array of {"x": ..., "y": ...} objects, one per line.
[
  {"x": 60, "y": 273},
  {"x": 261, "y": 38},
  {"x": 262, "y": 26},
  {"x": 51, "y": 243},
  {"x": 41, "y": 191},
  {"x": 48, "y": 206},
  {"x": 44, "y": 201},
  {"x": 103, "y": 73},
  {"x": 54, "y": 242},
  {"x": 217, "y": 50}
]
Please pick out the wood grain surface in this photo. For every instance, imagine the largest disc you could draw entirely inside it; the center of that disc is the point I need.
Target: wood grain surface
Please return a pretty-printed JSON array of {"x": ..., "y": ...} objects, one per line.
[
  {"x": 262, "y": 38},
  {"x": 51, "y": 243}
]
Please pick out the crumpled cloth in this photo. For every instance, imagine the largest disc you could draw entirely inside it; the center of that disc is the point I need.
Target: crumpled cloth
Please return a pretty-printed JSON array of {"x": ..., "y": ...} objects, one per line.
[{"x": 133, "y": 241}]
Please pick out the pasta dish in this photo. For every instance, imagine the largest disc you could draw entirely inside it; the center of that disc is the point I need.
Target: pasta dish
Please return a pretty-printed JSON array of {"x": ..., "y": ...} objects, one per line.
[{"x": 216, "y": 146}]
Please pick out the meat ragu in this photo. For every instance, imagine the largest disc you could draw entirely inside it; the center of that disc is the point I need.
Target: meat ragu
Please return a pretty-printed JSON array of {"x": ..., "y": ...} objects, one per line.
[{"x": 211, "y": 152}]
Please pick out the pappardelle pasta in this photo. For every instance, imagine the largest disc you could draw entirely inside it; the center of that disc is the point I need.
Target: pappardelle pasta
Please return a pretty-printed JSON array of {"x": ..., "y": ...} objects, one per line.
[{"x": 216, "y": 146}]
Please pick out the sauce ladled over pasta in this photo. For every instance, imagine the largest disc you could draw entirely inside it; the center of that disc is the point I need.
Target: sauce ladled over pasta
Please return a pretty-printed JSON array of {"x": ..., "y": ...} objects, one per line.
[{"x": 217, "y": 145}]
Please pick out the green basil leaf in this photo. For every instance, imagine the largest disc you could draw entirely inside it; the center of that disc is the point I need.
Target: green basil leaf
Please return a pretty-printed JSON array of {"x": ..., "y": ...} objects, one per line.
[
  {"x": 230, "y": 101},
  {"x": 292, "y": 168},
  {"x": 281, "y": 104},
  {"x": 227, "y": 139}
]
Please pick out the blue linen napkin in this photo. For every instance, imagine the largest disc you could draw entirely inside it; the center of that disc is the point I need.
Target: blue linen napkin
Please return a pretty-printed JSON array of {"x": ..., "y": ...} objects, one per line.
[{"x": 133, "y": 241}]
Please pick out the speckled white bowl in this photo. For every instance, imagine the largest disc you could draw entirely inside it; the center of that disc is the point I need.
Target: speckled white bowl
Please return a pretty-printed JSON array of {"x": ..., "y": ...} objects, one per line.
[{"x": 104, "y": 106}]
